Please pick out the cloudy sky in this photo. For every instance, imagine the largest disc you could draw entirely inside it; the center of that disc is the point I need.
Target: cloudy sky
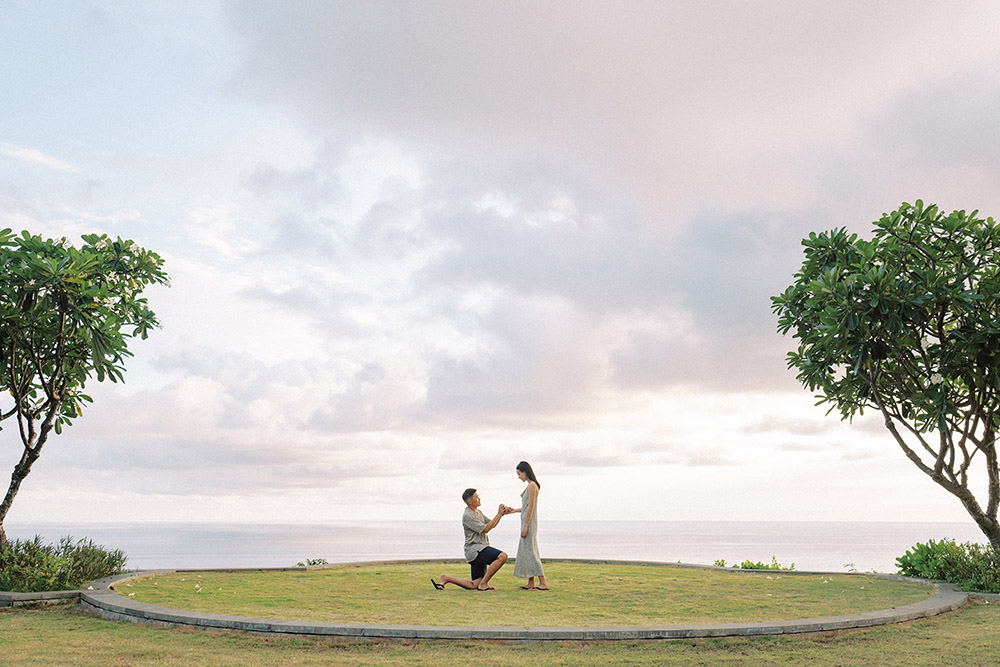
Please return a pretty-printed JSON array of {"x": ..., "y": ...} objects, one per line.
[{"x": 414, "y": 243}]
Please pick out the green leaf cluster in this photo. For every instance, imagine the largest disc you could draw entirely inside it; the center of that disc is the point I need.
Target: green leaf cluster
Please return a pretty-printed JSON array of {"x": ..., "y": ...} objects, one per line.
[
  {"x": 66, "y": 314},
  {"x": 909, "y": 320}
]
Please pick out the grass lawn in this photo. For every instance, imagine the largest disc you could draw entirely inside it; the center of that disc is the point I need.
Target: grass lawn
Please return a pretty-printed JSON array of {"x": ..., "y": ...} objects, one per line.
[
  {"x": 970, "y": 636},
  {"x": 582, "y": 594}
]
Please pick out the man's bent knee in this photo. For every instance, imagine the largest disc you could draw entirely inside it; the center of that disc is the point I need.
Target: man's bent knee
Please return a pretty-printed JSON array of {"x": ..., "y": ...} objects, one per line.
[{"x": 502, "y": 557}]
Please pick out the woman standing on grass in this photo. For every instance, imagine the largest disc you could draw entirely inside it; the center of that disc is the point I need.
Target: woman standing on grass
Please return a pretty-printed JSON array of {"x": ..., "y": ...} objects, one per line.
[{"x": 528, "y": 563}]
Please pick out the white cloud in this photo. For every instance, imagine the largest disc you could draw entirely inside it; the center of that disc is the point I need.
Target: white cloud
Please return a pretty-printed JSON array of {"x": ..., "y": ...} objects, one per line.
[
  {"x": 677, "y": 104},
  {"x": 413, "y": 244},
  {"x": 34, "y": 156}
]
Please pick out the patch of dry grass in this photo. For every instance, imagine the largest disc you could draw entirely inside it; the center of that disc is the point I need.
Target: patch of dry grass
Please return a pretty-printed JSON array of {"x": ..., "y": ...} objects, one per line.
[{"x": 970, "y": 636}]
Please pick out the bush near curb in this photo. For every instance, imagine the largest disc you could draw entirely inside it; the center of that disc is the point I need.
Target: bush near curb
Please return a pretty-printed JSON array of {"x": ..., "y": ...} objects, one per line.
[
  {"x": 29, "y": 566},
  {"x": 970, "y": 566},
  {"x": 759, "y": 565}
]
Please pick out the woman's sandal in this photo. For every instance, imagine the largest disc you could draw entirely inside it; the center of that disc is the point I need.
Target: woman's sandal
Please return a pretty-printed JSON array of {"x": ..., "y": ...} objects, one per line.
[
  {"x": 527, "y": 588},
  {"x": 437, "y": 585}
]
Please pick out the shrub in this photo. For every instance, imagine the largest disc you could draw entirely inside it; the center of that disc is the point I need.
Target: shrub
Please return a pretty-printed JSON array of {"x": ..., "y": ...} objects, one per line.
[
  {"x": 29, "y": 566},
  {"x": 774, "y": 565},
  {"x": 971, "y": 567},
  {"x": 750, "y": 565},
  {"x": 926, "y": 560}
]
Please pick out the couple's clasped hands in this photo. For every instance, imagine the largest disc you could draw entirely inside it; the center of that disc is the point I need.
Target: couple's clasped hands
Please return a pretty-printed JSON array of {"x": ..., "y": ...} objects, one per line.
[{"x": 504, "y": 510}]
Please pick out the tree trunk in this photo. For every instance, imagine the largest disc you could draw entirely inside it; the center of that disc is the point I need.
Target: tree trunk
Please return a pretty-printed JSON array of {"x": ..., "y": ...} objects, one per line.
[
  {"x": 21, "y": 471},
  {"x": 28, "y": 457},
  {"x": 987, "y": 521},
  {"x": 994, "y": 536}
]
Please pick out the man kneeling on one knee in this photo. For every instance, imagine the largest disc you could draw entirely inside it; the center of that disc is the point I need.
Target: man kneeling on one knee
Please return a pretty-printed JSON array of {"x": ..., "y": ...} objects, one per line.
[{"x": 484, "y": 559}]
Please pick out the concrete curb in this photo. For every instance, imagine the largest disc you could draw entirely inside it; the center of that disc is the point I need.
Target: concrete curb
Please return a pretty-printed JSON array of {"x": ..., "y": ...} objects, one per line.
[
  {"x": 37, "y": 599},
  {"x": 102, "y": 601}
]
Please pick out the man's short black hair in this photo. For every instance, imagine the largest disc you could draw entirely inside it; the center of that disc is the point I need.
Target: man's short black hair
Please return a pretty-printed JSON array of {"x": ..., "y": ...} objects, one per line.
[{"x": 468, "y": 493}]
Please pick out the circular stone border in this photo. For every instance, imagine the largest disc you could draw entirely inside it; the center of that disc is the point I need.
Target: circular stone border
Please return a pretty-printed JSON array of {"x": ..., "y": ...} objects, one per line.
[{"x": 100, "y": 599}]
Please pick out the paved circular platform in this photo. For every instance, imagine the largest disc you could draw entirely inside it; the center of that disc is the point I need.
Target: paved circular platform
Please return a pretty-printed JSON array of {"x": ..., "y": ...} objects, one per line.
[{"x": 101, "y": 600}]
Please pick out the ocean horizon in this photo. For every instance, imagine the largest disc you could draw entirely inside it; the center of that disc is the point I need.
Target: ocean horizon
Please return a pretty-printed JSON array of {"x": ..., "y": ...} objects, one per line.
[{"x": 828, "y": 546}]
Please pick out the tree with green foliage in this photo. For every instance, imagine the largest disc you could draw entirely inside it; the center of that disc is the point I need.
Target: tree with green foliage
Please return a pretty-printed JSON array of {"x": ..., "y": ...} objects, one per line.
[
  {"x": 908, "y": 324},
  {"x": 65, "y": 314}
]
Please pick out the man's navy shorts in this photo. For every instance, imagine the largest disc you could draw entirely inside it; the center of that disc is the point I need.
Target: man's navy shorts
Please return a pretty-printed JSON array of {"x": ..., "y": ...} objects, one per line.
[{"x": 483, "y": 560}]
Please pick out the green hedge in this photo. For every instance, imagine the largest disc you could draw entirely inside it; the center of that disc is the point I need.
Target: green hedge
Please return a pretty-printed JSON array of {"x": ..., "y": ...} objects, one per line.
[
  {"x": 28, "y": 566},
  {"x": 972, "y": 567}
]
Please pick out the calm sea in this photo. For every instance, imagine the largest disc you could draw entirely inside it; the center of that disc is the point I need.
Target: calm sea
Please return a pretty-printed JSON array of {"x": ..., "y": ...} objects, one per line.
[{"x": 824, "y": 546}]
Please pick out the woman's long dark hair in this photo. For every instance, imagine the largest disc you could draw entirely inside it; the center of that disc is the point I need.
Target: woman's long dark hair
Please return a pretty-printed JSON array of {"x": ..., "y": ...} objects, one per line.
[{"x": 525, "y": 467}]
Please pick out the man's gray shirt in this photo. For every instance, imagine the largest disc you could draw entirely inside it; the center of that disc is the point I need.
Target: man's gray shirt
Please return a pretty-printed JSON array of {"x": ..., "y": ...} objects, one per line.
[{"x": 474, "y": 522}]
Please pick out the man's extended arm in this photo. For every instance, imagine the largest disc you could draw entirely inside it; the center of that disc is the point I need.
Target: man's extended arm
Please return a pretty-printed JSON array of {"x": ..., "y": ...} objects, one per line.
[{"x": 494, "y": 521}]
